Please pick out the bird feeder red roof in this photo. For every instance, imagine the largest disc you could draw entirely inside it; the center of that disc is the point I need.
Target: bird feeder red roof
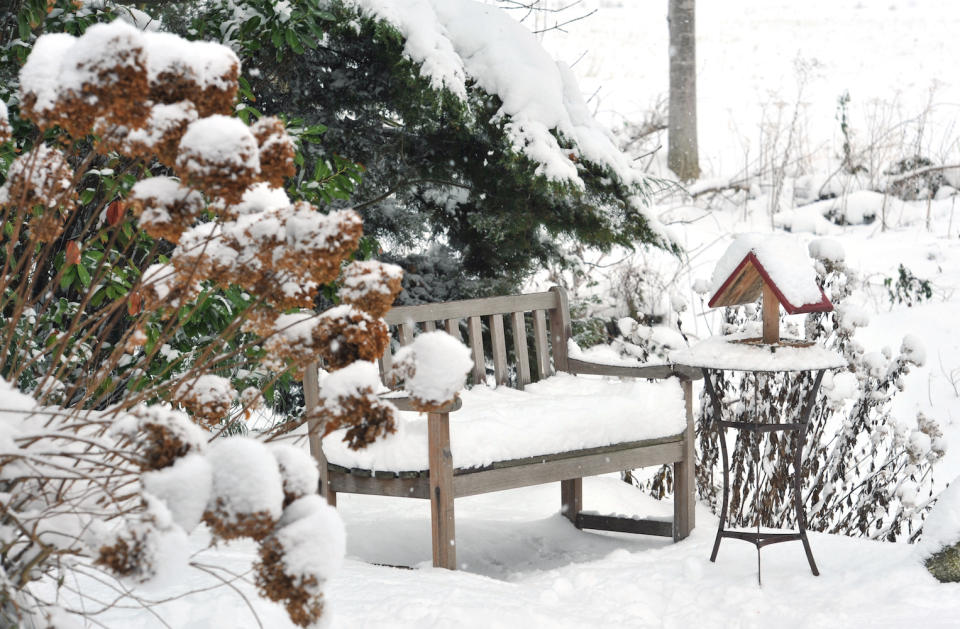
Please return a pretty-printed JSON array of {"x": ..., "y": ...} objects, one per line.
[
  {"x": 750, "y": 279},
  {"x": 746, "y": 283}
]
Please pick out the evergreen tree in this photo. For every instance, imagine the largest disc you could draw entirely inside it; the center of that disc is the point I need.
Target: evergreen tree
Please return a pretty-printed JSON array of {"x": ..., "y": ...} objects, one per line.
[{"x": 443, "y": 190}]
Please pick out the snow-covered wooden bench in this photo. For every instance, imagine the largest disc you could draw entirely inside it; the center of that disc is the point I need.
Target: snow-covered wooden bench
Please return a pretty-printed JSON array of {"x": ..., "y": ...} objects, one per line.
[{"x": 570, "y": 423}]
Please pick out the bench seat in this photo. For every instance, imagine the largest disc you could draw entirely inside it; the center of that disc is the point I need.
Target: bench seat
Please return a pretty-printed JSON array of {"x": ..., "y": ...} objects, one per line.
[{"x": 562, "y": 413}]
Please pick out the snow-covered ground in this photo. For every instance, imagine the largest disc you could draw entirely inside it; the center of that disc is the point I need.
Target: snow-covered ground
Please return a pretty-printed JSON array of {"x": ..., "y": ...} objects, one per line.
[{"x": 523, "y": 565}]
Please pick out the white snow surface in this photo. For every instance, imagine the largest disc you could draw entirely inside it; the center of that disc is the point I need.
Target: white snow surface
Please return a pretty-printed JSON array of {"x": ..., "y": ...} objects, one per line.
[
  {"x": 559, "y": 414},
  {"x": 521, "y": 564},
  {"x": 783, "y": 257},
  {"x": 460, "y": 40},
  {"x": 440, "y": 364},
  {"x": 724, "y": 352},
  {"x": 942, "y": 526}
]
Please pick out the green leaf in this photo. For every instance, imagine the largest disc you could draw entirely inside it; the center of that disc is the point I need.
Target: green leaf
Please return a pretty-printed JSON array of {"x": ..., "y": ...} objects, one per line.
[
  {"x": 84, "y": 275},
  {"x": 68, "y": 277}
]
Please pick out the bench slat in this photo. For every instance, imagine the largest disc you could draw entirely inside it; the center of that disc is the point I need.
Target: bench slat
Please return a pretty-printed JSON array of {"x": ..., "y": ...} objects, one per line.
[
  {"x": 552, "y": 471},
  {"x": 406, "y": 333},
  {"x": 472, "y": 307},
  {"x": 499, "y": 349},
  {"x": 520, "y": 349},
  {"x": 453, "y": 328},
  {"x": 540, "y": 343},
  {"x": 475, "y": 332},
  {"x": 560, "y": 329},
  {"x": 429, "y": 326}
]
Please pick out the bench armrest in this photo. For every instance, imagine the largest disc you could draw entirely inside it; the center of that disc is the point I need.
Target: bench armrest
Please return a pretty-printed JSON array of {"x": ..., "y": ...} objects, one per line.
[
  {"x": 575, "y": 365},
  {"x": 404, "y": 403}
]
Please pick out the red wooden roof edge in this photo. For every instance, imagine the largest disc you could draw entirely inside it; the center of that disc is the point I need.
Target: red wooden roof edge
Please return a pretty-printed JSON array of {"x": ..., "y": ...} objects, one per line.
[{"x": 823, "y": 305}]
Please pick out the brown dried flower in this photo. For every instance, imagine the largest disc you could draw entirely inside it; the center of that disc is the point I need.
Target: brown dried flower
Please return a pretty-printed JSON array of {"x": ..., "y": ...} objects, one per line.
[
  {"x": 371, "y": 286},
  {"x": 344, "y": 335},
  {"x": 277, "y": 151}
]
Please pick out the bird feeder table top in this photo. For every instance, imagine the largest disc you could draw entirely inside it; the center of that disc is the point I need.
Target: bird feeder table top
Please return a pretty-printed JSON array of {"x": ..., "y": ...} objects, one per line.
[{"x": 738, "y": 352}]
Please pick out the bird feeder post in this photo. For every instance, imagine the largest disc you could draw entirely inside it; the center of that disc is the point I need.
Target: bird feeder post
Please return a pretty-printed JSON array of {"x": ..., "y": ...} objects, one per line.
[{"x": 771, "y": 316}]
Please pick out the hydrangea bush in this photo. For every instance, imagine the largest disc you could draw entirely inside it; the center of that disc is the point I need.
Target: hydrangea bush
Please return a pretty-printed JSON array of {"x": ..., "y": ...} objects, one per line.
[{"x": 99, "y": 469}]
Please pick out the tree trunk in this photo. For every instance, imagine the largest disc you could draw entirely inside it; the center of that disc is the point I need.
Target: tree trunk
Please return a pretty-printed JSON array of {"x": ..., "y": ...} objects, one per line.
[{"x": 682, "y": 151}]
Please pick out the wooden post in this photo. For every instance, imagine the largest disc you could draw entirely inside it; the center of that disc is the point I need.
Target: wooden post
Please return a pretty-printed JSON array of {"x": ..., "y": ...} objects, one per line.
[
  {"x": 441, "y": 491},
  {"x": 684, "y": 478},
  {"x": 560, "y": 328},
  {"x": 771, "y": 316},
  {"x": 571, "y": 498},
  {"x": 311, "y": 397}
]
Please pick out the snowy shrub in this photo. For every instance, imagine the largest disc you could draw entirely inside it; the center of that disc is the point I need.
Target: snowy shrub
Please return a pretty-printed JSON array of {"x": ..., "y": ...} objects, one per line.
[
  {"x": 865, "y": 472},
  {"x": 99, "y": 308},
  {"x": 940, "y": 540}
]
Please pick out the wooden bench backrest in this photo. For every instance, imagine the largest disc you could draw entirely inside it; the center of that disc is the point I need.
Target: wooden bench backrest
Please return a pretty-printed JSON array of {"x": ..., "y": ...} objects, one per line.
[{"x": 545, "y": 310}]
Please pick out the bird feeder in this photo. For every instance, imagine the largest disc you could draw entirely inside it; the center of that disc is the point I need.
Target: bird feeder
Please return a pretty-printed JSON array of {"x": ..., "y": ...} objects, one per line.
[{"x": 751, "y": 278}]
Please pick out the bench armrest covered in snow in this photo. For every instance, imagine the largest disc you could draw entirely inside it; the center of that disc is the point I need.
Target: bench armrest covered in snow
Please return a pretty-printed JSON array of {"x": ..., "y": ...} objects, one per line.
[{"x": 562, "y": 419}]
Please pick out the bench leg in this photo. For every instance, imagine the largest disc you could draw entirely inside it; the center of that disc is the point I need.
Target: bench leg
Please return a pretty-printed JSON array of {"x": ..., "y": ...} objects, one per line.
[
  {"x": 684, "y": 479},
  {"x": 571, "y": 498},
  {"x": 441, "y": 491}
]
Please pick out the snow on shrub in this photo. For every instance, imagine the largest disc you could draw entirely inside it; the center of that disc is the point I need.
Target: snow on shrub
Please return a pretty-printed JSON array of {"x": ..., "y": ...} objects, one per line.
[
  {"x": 940, "y": 538},
  {"x": 300, "y": 556},
  {"x": 349, "y": 398},
  {"x": 371, "y": 286},
  {"x": 219, "y": 156},
  {"x": 6, "y": 132},
  {"x": 208, "y": 398},
  {"x": 184, "y": 488},
  {"x": 277, "y": 150},
  {"x": 246, "y": 498},
  {"x": 298, "y": 470},
  {"x": 345, "y": 335},
  {"x": 433, "y": 369}
]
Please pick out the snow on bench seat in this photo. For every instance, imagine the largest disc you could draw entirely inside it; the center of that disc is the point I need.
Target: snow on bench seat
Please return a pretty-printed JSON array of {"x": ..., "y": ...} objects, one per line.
[{"x": 562, "y": 413}]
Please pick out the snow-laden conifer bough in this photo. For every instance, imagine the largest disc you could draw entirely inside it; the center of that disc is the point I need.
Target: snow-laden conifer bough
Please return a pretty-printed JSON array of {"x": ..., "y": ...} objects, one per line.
[{"x": 121, "y": 488}]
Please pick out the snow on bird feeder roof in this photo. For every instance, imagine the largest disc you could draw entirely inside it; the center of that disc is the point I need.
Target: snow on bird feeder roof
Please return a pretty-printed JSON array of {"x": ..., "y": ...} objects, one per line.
[{"x": 776, "y": 267}]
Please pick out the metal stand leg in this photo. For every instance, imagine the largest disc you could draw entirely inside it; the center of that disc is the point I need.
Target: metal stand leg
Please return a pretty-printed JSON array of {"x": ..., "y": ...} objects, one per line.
[
  {"x": 797, "y": 466},
  {"x": 717, "y": 410}
]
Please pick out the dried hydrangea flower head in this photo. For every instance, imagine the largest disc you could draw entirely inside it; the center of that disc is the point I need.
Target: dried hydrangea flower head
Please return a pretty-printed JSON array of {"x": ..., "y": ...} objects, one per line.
[
  {"x": 104, "y": 74},
  {"x": 344, "y": 335},
  {"x": 6, "y": 132},
  {"x": 219, "y": 156},
  {"x": 291, "y": 571},
  {"x": 165, "y": 208},
  {"x": 371, "y": 286},
  {"x": 433, "y": 369},
  {"x": 40, "y": 80},
  {"x": 163, "y": 289},
  {"x": 204, "y": 73},
  {"x": 349, "y": 399},
  {"x": 41, "y": 180},
  {"x": 246, "y": 499},
  {"x": 207, "y": 398},
  {"x": 161, "y": 135},
  {"x": 277, "y": 151}
]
